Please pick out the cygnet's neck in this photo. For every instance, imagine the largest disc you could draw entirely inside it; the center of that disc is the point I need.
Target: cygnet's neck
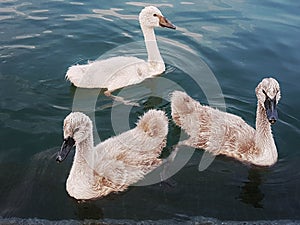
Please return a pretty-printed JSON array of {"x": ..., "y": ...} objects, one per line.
[
  {"x": 151, "y": 45},
  {"x": 264, "y": 140},
  {"x": 84, "y": 151},
  {"x": 80, "y": 183}
]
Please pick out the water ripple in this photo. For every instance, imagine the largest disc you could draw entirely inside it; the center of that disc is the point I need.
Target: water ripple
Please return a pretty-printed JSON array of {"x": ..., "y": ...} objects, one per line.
[
  {"x": 19, "y": 10},
  {"x": 104, "y": 14},
  {"x": 187, "y": 3},
  {"x": 141, "y": 4},
  {"x": 77, "y": 3},
  {"x": 17, "y": 46},
  {"x": 27, "y": 36}
]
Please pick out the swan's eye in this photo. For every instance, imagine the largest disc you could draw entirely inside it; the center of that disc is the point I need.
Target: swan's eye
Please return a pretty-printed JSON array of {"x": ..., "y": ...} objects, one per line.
[
  {"x": 77, "y": 129},
  {"x": 154, "y": 14}
]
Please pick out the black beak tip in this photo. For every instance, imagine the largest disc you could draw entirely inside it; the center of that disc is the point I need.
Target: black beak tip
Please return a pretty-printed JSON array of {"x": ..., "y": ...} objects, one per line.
[
  {"x": 272, "y": 121},
  {"x": 58, "y": 159}
]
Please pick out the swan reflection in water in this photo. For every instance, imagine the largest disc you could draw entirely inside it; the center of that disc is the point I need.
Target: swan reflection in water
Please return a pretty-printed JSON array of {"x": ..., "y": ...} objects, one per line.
[{"x": 251, "y": 193}]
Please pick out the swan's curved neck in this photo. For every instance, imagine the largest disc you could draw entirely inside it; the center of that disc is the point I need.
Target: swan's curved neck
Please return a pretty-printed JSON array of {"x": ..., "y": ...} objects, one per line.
[
  {"x": 151, "y": 45},
  {"x": 80, "y": 181},
  {"x": 84, "y": 151},
  {"x": 264, "y": 139}
]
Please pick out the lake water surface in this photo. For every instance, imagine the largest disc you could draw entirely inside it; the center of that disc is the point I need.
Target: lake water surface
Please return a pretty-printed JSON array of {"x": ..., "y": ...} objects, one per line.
[{"x": 240, "y": 42}]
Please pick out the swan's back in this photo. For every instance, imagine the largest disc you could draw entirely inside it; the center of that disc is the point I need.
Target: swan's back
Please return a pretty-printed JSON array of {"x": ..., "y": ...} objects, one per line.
[
  {"x": 111, "y": 73},
  {"x": 213, "y": 130},
  {"x": 127, "y": 157}
]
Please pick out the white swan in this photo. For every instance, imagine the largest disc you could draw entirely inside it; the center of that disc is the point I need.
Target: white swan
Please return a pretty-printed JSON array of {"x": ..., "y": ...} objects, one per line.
[
  {"x": 117, "y": 72},
  {"x": 223, "y": 133},
  {"x": 116, "y": 163}
]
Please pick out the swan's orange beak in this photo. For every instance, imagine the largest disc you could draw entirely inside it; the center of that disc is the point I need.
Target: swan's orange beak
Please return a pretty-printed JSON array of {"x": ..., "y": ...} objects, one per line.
[
  {"x": 65, "y": 149},
  {"x": 163, "y": 22}
]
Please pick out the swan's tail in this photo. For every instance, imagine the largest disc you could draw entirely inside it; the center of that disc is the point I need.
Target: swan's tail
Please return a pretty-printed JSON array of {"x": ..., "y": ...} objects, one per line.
[
  {"x": 154, "y": 123},
  {"x": 75, "y": 74}
]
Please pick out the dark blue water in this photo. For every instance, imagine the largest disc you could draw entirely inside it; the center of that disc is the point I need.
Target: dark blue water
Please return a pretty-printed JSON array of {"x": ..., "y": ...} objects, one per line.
[{"x": 241, "y": 41}]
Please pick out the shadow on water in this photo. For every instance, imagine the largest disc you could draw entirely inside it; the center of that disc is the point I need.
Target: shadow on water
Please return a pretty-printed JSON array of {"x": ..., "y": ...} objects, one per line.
[
  {"x": 251, "y": 193},
  {"x": 30, "y": 177},
  {"x": 38, "y": 188},
  {"x": 89, "y": 210},
  {"x": 39, "y": 191}
]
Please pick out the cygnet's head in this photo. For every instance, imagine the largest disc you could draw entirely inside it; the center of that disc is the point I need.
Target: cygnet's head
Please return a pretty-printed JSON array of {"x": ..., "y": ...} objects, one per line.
[
  {"x": 268, "y": 96},
  {"x": 77, "y": 127},
  {"x": 151, "y": 17}
]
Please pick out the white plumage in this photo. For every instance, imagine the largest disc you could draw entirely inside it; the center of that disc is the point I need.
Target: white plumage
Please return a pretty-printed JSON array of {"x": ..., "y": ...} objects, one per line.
[
  {"x": 227, "y": 134},
  {"x": 116, "y": 163},
  {"x": 117, "y": 72}
]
